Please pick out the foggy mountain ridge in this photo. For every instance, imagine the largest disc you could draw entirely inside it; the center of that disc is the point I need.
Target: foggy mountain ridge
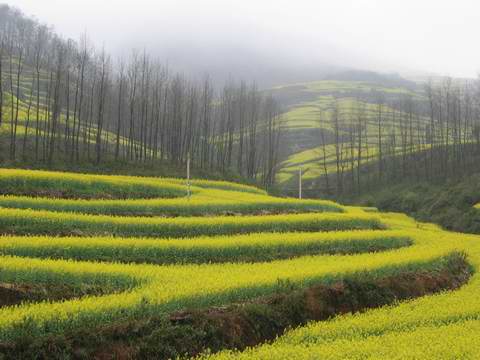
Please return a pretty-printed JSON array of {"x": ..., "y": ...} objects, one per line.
[
  {"x": 267, "y": 67},
  {"x": 224, "y": 62}
]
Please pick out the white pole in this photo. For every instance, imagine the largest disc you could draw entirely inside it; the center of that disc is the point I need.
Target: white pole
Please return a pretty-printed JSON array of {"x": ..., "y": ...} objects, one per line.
[
  {"x": 300, "y": 183},
  {"x": 188, "y": 177}
]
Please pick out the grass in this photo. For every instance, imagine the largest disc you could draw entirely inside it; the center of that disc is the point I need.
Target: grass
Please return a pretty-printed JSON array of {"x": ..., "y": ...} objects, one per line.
[
  {"x": 203, "y": 262},
  {"x": 27, "y": 114},
  {"x": 64, "y": 185},
  {"x": 453, "y": 205},
  {"x": 312, "y": 160},
  {"x": 21, "y": 182},
  {"x": 140, "y": 196},
  {"x": 203, "y": 203},
  {"x": 30, "y": 222},
  {"x": 257, "y": 247},
  {"x": 376, "y": 333},
  {"x": 175, "y": 286},
  {"x": 329, "y": 86},
  {"x": 318, "y": 113}
]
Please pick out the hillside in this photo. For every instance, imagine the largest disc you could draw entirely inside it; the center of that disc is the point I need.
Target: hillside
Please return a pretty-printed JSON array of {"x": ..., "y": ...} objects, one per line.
[
  {"x": 357, "y": 130},
  {"x": 27, "y": 115},
  {"x": 152, "y": 276},
  {"x": 452, "y": 204},
  {"x": 66, "y": 104},
  {"x": 311, "y": 107}
]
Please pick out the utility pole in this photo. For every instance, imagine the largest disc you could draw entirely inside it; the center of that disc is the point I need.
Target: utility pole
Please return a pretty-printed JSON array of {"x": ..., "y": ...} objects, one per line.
[
  {"x": 300, "y": 183},
  {"x": 188, "y": 177},
  {"x": 300, "y": 173}
]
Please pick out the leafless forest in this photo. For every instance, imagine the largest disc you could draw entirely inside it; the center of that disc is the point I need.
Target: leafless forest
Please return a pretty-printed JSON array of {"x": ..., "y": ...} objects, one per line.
[
  {"x": 433, "y": 138},
  {"x": 67, "y": 101},
  {"x": 81, "y": 105}
]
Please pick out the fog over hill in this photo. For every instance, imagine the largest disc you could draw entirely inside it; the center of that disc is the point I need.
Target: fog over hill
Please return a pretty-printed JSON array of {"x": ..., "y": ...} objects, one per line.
[{"x": 278, "y": 42}]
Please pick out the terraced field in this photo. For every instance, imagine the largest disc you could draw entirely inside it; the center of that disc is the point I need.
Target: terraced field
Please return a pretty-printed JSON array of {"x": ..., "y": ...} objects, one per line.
[
  {"x": 129, "y": 267},
  {"x": 312, "y": 106},
  {"x": 317, "y": 113},
  {"x": 313, "y": 164}
]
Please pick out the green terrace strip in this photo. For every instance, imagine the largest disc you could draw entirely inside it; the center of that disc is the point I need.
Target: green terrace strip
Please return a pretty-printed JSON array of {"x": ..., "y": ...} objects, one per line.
[
  {"x": 28, "y": 271},
  {"x": 432, "y": 327},
  {"x": 321, "y": 303},
  {"x": 168, "y": 288},
  {"x": 97, "y": 313},
  {"x": 457, "y": 339},
  {"x": 20, "y": 294},
  {"x": 29, "y": 222},
  {"x": 220, "y": 185},
  {"x": 155, "y": 259},
  {"x": 205, "y": 203},
  {"x": 255, "y": 247},
  {"x": 449, "y": 340},
  {"x": 132, "y": 196},
  {"x": 69, "y": 185}
]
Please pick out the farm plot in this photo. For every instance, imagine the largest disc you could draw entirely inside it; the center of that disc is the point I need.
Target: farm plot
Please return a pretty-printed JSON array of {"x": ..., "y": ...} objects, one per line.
[
  {"x": 137, "y": 285},
  {"x": 136, "y": 196}
]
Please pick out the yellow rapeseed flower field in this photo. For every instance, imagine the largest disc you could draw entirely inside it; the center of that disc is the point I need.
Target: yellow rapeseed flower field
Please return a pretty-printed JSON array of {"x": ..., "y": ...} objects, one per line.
[{"x": 169, "y": 258}]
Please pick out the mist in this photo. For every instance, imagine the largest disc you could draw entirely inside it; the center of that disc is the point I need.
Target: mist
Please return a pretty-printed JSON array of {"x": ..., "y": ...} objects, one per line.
[{"x": 278, "y": 42}]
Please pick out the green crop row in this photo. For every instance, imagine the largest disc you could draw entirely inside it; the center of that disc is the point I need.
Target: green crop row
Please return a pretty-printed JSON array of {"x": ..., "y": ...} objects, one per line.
[
  {"x": 433, "y": 327},
  {"x": 152, "y": 266},
  {"x": 30, "y": 222},
  {"x": 205, "y": 203},
  {"x": 168, "y": 288},
  {"x": 70, "y": 185},
  {"x": 255, "y": 247}
]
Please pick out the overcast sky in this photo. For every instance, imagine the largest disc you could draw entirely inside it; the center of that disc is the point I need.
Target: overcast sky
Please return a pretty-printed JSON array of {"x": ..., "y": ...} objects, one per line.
[{"x": 435, "y": 36}]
